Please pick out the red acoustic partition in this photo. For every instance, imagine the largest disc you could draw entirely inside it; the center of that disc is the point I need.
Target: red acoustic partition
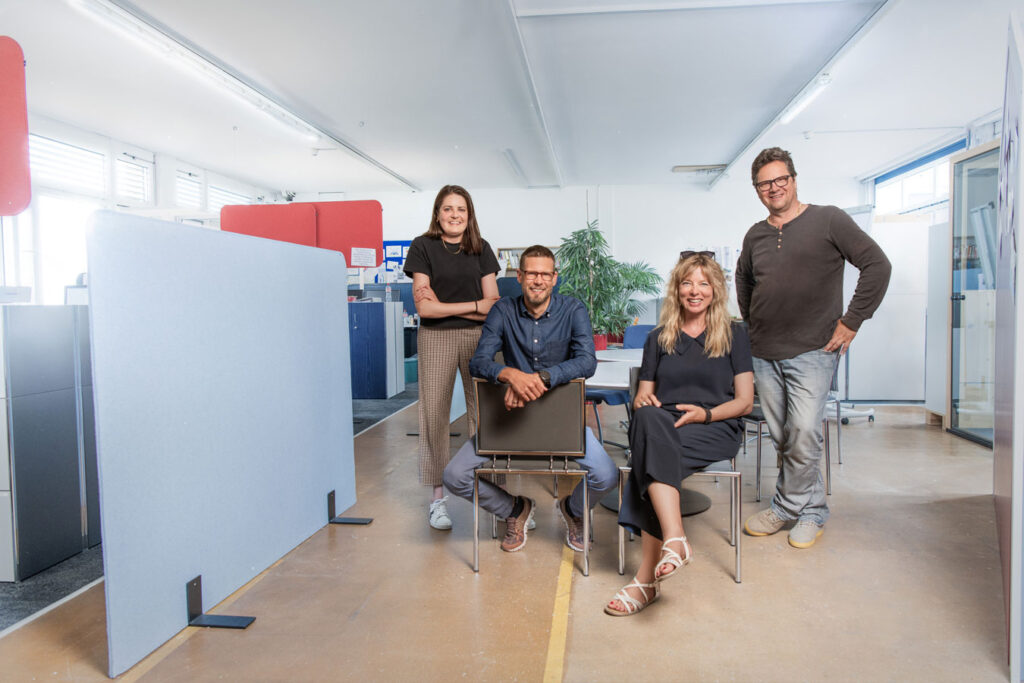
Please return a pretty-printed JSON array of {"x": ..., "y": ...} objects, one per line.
[
  {"x": 342, "y": 226},
  {"x": 15, "y": 187},
  {"x": 294, "y": 223},
  {"x": 339, "y": 226}
]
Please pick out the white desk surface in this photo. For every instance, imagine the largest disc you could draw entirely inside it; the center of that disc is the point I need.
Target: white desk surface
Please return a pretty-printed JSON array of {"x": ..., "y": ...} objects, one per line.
[
  {"x": 632, "y": 355},
  {"x": 611, "y": 375}
]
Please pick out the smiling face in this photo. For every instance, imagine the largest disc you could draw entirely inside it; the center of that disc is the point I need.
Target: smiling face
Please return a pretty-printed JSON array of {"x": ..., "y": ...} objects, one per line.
[
  {"x": 453, "y": 217},
  {"x": 778, "y": 200},
  {"x": 695, "y": 293},
  {"x": 537, "y": 277}
]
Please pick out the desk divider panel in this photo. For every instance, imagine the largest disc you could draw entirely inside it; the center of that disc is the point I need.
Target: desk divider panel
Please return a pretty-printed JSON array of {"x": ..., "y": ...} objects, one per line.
[{"x": 223, "y": 413}]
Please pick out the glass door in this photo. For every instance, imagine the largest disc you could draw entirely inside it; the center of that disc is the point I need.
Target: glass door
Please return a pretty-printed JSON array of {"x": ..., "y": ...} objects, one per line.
[{"x": 973, "y": 215}]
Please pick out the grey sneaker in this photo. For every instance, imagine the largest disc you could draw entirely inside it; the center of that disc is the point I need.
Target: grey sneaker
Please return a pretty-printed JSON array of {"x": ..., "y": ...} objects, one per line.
[
  {"x": 439, "y": 518},
  {"x": 573, "y": 526},
  {"x": 764, "y": 523},
  {"x": 805, "y": 533},
  {"x": 515, "y": 527}
]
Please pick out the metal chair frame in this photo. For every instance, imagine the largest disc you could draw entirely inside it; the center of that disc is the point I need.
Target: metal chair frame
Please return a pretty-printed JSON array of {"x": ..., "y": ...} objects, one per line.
[
  {"x": 557, "y": 465},
  {"x": 735, "y": 510}
]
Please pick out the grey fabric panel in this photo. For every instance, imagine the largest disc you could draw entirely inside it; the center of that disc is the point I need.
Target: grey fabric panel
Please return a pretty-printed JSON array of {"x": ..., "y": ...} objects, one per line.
[
  {"x": 40, "y": 357},
  {"x": 551, "y": 424},
  {"x": 44, "y": 434}
]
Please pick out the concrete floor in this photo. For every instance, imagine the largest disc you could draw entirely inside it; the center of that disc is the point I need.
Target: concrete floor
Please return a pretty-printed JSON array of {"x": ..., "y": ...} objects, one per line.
[{"x": 904, "y": 585}]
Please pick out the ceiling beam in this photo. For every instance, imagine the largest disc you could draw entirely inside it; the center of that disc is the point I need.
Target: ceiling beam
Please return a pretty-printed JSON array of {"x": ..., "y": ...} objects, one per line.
[
  {"x": 676, "y": 6},
  {"x": 525, "y": 59},
  {"x": 213, "y": 64},
  {"x": 862, "y": 30}
]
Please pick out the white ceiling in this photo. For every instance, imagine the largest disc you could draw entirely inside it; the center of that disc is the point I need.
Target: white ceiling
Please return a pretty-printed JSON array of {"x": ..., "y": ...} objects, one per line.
[{"x": 577, "y": 92}]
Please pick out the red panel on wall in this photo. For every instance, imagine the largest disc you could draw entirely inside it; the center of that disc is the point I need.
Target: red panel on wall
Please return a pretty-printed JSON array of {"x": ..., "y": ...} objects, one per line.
[
  {"x": 294, "y": 223},
  {"x": 15, "y": 187},
  {"x": 344, "y": 225}
]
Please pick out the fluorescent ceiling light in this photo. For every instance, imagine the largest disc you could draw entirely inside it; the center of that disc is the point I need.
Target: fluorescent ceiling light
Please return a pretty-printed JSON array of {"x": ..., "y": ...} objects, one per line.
[
  {"x": 181, "y": 54},
  {"x": 805, "y": 98},
  {"x": 700, "y": 169}
]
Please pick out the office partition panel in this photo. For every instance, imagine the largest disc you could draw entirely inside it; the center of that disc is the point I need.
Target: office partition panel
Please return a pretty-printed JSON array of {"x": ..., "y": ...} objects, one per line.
[{"x": 223, "y": 413}]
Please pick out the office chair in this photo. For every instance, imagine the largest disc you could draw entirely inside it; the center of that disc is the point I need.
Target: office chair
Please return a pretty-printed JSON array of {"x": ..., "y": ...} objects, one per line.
[{"x": 544, "y": 437}]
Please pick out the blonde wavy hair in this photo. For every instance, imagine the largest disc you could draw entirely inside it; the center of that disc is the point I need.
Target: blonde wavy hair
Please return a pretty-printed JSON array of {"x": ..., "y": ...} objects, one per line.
[{"x": 718, "y": 339}]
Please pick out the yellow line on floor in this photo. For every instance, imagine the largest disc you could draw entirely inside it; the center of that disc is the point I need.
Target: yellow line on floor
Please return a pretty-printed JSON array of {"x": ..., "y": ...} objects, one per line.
[
  {"x": 555, "y": 665},
  {"x": 161, "y": 653}
]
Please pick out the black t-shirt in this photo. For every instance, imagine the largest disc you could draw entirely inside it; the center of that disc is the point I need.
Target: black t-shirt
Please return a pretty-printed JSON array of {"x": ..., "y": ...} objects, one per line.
[
  {"x": 453, "y": 277},
  {"x": 689, "y": 376}
]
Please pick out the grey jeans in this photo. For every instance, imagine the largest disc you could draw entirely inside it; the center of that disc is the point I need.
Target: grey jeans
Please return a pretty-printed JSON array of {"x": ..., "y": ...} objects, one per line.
[
  {"x": 602, "y": 476},
  {"x": 793, "y": 394}
]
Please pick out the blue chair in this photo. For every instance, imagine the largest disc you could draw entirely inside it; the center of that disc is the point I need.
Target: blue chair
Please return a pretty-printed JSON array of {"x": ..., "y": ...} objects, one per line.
[{"x": 635, "y": 336}]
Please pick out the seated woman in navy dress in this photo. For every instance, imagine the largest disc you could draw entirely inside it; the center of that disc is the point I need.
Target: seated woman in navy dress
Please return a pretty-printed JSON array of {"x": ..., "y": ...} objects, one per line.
[{"x": 696, "y": 381}]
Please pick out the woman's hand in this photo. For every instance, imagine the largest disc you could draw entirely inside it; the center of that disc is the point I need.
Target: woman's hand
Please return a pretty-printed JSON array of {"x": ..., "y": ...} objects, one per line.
[
  {"x": 690, "y": 414},
  {"x": 483, "y": 306},
  {"x": 645, "y": 398}
]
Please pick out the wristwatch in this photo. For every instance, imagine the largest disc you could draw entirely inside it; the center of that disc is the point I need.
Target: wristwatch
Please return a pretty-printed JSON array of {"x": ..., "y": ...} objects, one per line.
[
  {"x": 545, "y": 377},
  {"x": 707, "y": 416}
]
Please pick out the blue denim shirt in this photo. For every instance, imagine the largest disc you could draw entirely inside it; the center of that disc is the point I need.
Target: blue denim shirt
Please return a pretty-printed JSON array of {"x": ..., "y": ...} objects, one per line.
[{"x": 560, "y": 341}]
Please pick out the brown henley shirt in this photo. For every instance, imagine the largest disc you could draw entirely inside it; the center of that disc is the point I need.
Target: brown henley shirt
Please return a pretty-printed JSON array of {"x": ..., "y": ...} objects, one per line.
[{"x": 789, "y": 281}]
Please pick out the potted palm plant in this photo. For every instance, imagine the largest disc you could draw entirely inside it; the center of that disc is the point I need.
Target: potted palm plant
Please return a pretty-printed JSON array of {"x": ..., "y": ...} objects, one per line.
[{"x": 587, "y": 271}]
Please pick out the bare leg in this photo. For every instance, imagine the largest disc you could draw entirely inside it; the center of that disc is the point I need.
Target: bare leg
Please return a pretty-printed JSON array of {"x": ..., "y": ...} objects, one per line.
[
  {"x": 665, "y": 500},
  {"x": 651, "y": 553},
  {"x": 438, "y": 493}
]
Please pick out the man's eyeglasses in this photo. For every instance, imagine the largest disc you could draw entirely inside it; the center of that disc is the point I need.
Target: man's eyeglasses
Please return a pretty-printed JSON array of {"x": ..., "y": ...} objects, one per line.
[
  {"x": 779, "y": 182},
  {"x": 688, "y": 254},
  {"x": 537, "y": 275}
]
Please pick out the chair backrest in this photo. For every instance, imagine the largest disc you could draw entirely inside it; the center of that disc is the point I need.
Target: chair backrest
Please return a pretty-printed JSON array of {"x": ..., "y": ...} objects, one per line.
[
  {"x": 635, "y": 336},
  {"x": 553, "y": 425}
]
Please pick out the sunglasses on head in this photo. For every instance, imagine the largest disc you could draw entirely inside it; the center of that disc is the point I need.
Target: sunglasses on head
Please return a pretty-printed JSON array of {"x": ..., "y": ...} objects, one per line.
[{"x": 688, "y": 254}]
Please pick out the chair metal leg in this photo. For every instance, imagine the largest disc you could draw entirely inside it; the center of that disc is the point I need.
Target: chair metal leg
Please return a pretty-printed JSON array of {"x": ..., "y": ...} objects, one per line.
[
  {"x": 622, "y": 530},
  {"x": 839, "y": 430},
  {"x": 476, "y": 522},
  {"x": 586, "y": 527},
  {"x": 828, "y": 459},
  {"x": 757, "y": 469},
  {"x": 737, "y": 505},
  {"x": 597, "y": 418},
  {"x": 556, "y": 486}
]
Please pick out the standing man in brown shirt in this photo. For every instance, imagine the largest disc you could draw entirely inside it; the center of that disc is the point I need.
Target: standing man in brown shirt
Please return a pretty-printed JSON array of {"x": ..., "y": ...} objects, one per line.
[{"x": 789, "y": 286}]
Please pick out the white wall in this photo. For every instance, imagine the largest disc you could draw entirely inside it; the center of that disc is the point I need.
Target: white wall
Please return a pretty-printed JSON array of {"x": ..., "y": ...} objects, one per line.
[{"x": 642, "y": 222}]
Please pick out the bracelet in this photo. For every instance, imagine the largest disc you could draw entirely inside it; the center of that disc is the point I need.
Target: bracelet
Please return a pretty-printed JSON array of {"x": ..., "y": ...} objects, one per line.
[
  {"x": 707, "y": 416},
  {"x": 476, "y": 308}
]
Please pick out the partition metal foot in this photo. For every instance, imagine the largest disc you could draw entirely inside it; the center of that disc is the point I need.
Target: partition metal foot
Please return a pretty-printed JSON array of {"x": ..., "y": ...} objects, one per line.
[
  {"x": 194, "y": 601},
  {"x": 332, "y": 519}
]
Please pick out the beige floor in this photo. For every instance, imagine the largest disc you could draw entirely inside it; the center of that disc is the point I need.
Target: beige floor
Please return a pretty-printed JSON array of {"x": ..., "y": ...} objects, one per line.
[{"x": 904, "y": 585}]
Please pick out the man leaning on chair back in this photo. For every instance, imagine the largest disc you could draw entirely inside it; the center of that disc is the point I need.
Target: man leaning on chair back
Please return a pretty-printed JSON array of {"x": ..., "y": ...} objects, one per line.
[{"x": 546, "y": 340}]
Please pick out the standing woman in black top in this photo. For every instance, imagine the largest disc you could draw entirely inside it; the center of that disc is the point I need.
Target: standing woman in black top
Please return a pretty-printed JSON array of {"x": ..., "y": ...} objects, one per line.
[
  {"x": 454, "y": 285},
  {"x": 696, "y": 380}
]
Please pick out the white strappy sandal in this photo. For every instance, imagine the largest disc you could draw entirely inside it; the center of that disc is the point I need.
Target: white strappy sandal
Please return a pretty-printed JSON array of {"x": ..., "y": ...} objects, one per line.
[
  {"x": 631, "y": 604},
  {"x": 669, "y": 556}
]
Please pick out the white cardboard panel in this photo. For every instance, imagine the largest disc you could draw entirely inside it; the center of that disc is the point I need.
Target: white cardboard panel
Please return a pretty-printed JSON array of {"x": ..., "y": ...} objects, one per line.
[{"x": 223, "y": 412}]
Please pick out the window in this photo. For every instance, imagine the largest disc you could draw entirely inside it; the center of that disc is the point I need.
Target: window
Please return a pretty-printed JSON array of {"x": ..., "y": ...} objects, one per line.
[
  {"x": 218, "y": 197},
  {"x": 133, "y": 179},
  {"x": 62, "y": 166},
  {"x": 188, "y": 190}
]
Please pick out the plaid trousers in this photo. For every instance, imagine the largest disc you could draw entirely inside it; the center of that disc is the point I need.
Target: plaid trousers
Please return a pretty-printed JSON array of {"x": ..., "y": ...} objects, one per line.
[{"x": 441, "y": 352}]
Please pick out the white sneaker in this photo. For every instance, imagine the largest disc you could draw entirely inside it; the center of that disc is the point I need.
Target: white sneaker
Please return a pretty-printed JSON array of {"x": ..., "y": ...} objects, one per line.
[{"x": 439, "y": 518}]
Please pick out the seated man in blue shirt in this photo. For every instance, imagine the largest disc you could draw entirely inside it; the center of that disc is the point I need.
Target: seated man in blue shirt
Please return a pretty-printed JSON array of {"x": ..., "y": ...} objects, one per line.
[{"x": 545, "y": 340}]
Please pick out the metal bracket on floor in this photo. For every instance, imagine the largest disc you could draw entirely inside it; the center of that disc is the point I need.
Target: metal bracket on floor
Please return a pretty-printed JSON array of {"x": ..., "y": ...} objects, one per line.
[
  {"x": 194, "y": 599},
  {"x": 332, "y": 519}
]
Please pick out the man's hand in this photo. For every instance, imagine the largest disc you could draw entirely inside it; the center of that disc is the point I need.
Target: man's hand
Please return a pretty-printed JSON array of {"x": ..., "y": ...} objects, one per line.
[
  {"x": 841, "y": 338},
  {"x": 527, "y": 387},
  {"x": 512, "y": 401},
  {"x": 691, "y": 414}
]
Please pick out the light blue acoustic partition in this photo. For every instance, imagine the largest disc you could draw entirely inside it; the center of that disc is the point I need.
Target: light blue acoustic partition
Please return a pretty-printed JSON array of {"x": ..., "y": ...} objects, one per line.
[{"x": 223, "y": 413}]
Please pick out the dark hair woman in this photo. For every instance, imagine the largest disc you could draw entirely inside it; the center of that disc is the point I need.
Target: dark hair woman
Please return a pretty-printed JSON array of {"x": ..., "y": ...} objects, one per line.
[
  {"x": 696, "y": 380},
  {"x": 454, "y": 284}
]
